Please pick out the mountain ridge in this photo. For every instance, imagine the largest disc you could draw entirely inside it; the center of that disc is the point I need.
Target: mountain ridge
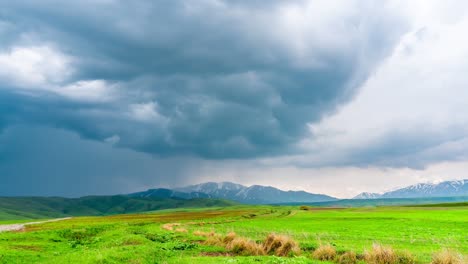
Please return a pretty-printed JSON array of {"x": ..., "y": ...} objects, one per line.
[
  {"x": 255, "y": 194},
  {"x": 421, "y": 190},
  {"x": 367, "y": 195}
]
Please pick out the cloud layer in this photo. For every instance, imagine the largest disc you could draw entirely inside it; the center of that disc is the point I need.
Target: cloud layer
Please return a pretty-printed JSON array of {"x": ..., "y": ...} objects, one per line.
[
  {"x": 216, "y": 79},
  {"x": 115, "y": 96}
]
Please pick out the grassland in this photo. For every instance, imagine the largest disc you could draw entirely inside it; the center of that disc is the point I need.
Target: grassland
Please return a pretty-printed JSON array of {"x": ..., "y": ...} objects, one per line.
[
  {"x": 13, "y": 208},
  {"x": 168, "y": 236}
]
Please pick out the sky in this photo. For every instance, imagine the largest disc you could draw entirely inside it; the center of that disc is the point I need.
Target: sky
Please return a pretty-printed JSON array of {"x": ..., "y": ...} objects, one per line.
[{"x": 333, "y": 97}]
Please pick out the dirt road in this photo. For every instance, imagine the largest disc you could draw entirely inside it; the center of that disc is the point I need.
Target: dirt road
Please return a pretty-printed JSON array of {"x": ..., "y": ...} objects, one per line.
[{"x": 17, "y": 227}]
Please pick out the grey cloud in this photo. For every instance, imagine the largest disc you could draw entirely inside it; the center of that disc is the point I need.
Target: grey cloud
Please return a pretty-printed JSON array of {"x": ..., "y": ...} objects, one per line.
[
  {"x": 410, "y": 147},
  {"x": 35, "y": 160},
  {"x": 224, "y": 81},
  {"x": 414, "y": 149}
]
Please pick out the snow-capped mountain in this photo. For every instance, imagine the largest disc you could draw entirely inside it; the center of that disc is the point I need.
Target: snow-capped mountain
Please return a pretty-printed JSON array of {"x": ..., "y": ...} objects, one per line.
[
  {"x": 223, "y": 190},
  {"x": 443, "y": 189},
  {"x": 421, "y": 190},
  {"x": 255, "y": 194},
  {"x": 367, "y": 195}
]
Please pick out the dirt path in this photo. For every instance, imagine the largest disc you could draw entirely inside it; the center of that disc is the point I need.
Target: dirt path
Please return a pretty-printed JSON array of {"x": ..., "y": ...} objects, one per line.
[{"x": 17, "y": 227}]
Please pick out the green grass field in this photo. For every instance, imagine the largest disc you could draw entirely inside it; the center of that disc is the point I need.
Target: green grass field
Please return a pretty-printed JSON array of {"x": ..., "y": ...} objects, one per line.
[
  {"x": 145, "y": 238},
  {"x": 13, "y": 208}
]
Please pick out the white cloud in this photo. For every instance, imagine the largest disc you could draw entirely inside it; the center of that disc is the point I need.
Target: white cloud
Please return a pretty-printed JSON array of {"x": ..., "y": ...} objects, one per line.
[
  {"x": 34, "y": 67},
  {"x": 418, "y": 96},
  {"x": 147, "y": 112},
  {"x": 91, "y": 91},
  {"x": 45, "y": 69}
]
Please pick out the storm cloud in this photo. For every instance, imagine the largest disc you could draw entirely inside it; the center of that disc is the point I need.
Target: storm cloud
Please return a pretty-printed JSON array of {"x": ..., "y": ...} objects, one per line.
[
  {"x": 114, "y": 96},
  {"x": 216, "y": 79}
]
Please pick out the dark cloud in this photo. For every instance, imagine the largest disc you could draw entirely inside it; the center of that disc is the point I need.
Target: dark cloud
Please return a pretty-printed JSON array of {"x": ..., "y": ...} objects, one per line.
[
  {"x": 35, "y": 160},
  {"x": 217, "y": 79}
]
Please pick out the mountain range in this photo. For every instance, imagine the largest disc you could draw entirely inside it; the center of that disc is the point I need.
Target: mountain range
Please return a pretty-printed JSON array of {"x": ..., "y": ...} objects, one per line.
[
  {"x": 255, "y": 194},
  {"x": 218, "y": 195},
  {"x": 420, "y": 190}
]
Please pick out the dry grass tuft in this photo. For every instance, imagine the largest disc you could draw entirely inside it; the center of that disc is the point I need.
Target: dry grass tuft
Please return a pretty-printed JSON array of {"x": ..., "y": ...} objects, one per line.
[
  {"x": 405, "y": 257},
  {"x": 380, "y": 255},
  {"x": 271, "y": 243},
  {"x": 170, "y": 226},
  {"x": 324, "y": 252},
  {"x": 280, "y": 245},
  {"x": 245, "y": 247},
  {"x": 229, "y": 238},
  {"x": 447, "y": 257},
  {"x": 203, "y": 234},
  {"x": 215, "y": 240},
  {"x": 181, "y": 230},
  {"x": 348, "y": 258}
]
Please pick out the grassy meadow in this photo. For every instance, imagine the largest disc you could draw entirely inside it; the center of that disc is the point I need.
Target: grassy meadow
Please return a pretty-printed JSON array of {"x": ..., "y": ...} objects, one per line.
[{"x": 207, "y": 235}]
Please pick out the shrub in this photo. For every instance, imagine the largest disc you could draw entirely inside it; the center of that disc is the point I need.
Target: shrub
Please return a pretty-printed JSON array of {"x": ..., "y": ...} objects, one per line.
[
  {"x": 245, "y": 247},
  {"x": 280, "y": 245},
  {"x": 380, "y": 255},
  {"x": 324, "y": 252},
  {"x": 183, "y": 246},
  {"x": 447, "y": 257},
  {"x": 348, "y": 258}
]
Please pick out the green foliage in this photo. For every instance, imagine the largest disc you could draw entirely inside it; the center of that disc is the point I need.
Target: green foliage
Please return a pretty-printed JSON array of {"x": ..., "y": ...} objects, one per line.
[
  {"x": 54, "y": 207},
  {"x": 140, "y": 238},
  {"x": 82, "y": 236}
]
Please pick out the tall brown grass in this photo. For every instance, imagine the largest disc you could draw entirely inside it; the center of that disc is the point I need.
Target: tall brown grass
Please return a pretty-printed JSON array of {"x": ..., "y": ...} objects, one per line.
[
  {"x": 215, "y": 240},
  {"x": 204, "y": 234},
  {"x": 237, "y": 245},
  {"x": 245, "y": 247},
  {"x": 348, "y": 258},
  {"x": 380, "y": 255},
  {"x": 405, "y": 257},
  {"x": 324, "y": 252},
  {"x": 170, "y": 226},
  {"x": 280, "y": 245},
  {"x": 229, "y": 238},
  {"x": 274, "y": 244},
  {"x": 447, "y": 257}
]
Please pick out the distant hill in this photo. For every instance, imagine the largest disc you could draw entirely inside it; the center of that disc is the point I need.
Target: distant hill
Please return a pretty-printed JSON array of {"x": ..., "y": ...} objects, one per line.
[
  {"x": 255, "y": 194},
  {"x": 50, "y": 207},
  {"x": 427, "y": 201}
]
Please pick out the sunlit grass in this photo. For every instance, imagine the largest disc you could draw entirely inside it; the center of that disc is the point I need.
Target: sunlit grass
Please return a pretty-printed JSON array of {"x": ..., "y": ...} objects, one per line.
[{"x": 142, "y": 238}]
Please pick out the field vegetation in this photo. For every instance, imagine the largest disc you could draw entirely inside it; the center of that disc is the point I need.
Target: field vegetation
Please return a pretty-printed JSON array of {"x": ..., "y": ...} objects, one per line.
[
  {"x": 249, "y": 234},
  {"x": 14, "y": 208}
]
